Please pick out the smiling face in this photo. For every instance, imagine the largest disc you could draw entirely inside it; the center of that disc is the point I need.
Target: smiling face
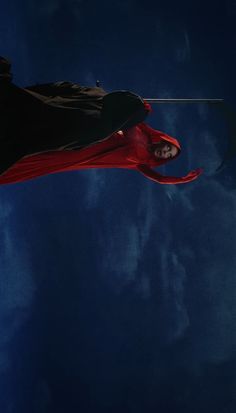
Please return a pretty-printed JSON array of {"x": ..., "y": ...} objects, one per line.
[{"x": 165, "y": 150}]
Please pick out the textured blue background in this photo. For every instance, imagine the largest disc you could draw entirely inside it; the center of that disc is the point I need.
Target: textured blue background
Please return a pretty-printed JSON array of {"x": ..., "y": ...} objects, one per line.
[{"x": 118, "y": 294}]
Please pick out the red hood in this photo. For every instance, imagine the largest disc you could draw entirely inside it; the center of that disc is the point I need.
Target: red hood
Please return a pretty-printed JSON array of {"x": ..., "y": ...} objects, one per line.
[{"x": 157, "y": 136}]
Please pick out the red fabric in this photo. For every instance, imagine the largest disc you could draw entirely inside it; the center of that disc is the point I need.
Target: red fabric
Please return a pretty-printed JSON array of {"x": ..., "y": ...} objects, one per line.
[
  {"x": 147, "y": 106},
  {"x": 129, "y": 151},
  {"x": 156, "y": 177}
]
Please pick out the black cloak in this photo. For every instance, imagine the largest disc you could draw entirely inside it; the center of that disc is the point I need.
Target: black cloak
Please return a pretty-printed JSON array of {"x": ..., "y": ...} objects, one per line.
[{"x": 60, "y": 115}]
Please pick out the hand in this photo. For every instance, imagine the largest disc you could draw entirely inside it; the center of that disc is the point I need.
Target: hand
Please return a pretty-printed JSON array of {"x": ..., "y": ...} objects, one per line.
[
  {"x": 198, "y": 171},
  {"x": 195, "y": 173},
  {"x": 120, "y": 132},
  {"x": 147, "y": 106}
]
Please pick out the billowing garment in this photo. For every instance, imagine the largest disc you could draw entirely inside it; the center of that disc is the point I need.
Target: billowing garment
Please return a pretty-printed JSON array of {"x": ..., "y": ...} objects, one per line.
[
  {"x": 130, "y": 150},
  {"x": 63, "y": 114}
]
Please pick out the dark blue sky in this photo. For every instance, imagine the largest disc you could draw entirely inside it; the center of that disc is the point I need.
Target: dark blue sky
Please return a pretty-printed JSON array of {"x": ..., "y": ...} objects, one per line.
[{"x": 118, "y": 294}]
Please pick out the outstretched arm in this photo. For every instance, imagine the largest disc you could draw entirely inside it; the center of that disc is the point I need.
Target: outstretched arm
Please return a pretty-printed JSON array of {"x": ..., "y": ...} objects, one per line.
[
  {"x": 156, "y": 177},
  {"x": 64, "y": 88}
]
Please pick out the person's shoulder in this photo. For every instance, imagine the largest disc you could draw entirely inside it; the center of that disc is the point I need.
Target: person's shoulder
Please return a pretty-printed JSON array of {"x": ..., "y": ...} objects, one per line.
[{"x": 144, "y": 127}]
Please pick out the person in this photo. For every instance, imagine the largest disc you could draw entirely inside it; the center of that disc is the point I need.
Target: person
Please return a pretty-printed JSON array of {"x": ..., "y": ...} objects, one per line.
[{"x": 62, "y": 126}]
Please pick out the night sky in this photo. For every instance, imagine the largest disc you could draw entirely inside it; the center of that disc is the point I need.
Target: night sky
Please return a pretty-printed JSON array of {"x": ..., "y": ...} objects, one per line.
[{"x": 117, "y": 294}]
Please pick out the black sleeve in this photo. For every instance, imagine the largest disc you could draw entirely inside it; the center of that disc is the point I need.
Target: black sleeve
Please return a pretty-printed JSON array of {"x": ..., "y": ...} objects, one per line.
[
  {"x": 61, "y": 88},
  {"x": 123, "y": 109},
  {"x": 67, "y": 89}
]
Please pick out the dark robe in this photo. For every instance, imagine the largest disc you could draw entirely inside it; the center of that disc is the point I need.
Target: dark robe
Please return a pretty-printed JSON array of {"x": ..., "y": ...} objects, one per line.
[{"x": 61, "y": 115}]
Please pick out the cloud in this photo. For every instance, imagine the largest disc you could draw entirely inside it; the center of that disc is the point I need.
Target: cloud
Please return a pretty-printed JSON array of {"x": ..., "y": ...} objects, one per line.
[
  {"x": 205, "y": 212},
  {"x": 210, "y": 243},
  {"x": 90, "y": 79},
  {"x": 187, "y": 257},
  {"x": 16, "y": 281},
  {"x": 122, "y": 251},
  {"x": 16, "y": 284},
  {"x": 171, "y": 275},
  {"x": 147, "y": 214},
  {"x": 198, "y": 260},
  {"x": 170, "y": 114},
  {"x": 203, "y": 152},
  {"x": 143, "y": 287},
  {"x": 208, "y": 154},
  {"x": 96, "y": 183},
  {"x": 45, "y": 8},
  {"x": 183, "y": 52},
  {"x": 43, "y": 397},
  {"x": 4, "y": 362},
  {"x": 177, "y": 293},
  {"x": 48, "y": 8},
  {"x": 124, "y": 247},
  {"x": 203, "y": 109},
  {"x": 123, "y": 243}
]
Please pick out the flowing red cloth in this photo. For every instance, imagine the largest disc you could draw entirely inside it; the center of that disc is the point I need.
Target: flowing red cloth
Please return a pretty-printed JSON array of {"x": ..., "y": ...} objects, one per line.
[{"x": 130, "y": 150}]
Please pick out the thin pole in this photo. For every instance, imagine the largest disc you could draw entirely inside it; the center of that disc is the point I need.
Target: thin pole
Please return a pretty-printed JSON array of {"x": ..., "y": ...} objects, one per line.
[{"x": 151, "y": 100}]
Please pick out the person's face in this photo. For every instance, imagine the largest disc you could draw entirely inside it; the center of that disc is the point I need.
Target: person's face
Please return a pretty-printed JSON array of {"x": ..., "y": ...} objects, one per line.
[{"x": 165, "y": 151}]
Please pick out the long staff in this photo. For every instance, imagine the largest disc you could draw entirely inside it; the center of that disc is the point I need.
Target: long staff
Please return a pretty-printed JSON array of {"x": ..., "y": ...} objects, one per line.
[{"x": 151, "y": 100}]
